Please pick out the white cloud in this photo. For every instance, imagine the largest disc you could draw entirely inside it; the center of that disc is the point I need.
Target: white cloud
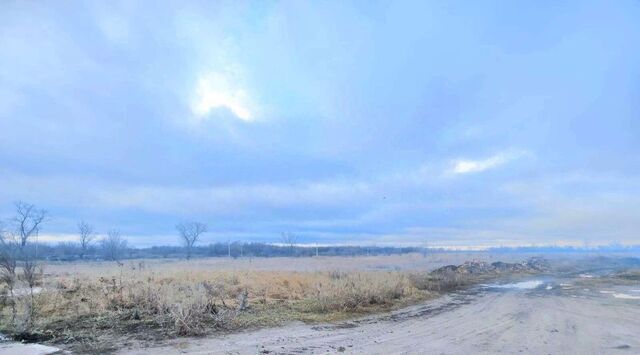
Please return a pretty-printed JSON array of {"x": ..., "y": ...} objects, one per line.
[
  {"x": 466, "y": 166},
  {"x": 217, "y": 90}
]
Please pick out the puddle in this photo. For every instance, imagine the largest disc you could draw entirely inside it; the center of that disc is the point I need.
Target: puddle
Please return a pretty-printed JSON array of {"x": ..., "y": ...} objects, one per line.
[
  {"x": 28, "y": 349},
  {"x": 624, "y": 296},
  {"x": 523, "y": 285}
]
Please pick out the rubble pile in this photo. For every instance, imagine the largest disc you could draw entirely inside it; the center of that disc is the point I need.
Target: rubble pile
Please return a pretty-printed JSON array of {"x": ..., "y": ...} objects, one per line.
[{"x": 535, "y": 264}]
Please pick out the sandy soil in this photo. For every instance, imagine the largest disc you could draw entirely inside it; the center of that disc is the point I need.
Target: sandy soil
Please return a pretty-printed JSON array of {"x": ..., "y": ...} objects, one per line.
[{"x": 554, "y": 318}]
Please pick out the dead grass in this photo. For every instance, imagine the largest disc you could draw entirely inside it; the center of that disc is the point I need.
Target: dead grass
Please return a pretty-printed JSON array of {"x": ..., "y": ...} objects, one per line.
[
  {"x": 630, "y": 275},
  {"x": 88, "y": 311}
]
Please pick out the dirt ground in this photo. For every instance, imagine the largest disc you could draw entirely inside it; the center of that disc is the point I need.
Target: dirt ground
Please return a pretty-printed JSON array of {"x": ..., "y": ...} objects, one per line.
[
  {"x": 556, "y": 317},
  {"x": 577, "y": 313}
]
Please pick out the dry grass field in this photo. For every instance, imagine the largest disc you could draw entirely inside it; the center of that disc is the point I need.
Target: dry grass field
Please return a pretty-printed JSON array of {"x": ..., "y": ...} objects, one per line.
[
  {"x": 416, "y": 262},
  {"x": 100, "y": 307},
  {"x": 88, "y": 305}
]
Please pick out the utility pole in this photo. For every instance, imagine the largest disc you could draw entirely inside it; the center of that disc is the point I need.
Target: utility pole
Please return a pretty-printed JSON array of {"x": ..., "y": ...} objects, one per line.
[
  {"x": 241, "y": 250},
  {"x": 229, "y": 248},
  {"x": 317, "y": 249}
]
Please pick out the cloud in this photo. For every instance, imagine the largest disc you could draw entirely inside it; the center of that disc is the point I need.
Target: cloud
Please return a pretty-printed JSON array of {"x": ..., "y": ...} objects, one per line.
[
  {"x": 598, "y": 208},
  {"x": 235, "y": 199},
  {"x": 467, "y": 166},
  {"x": 344, "y": 155},
  {"x": 114, "y": 28},
  {"x": 218, "y": 90}
]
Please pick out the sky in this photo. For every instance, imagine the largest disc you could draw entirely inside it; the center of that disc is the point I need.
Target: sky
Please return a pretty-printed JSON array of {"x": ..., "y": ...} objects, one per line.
[{"x": 450, "y": 123}]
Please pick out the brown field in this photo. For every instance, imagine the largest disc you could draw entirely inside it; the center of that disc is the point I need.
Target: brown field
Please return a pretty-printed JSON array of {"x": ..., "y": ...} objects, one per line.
[
  {"x": 139, "y": 305},
  {"x": 415, "y": 262},
  {"x": 87, "y": 306}
]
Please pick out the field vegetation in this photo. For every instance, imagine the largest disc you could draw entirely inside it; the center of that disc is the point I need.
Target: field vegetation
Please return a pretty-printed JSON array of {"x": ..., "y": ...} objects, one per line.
[
  {"x": 92, "y": 306},
  {"x": 133, "y": 300}
]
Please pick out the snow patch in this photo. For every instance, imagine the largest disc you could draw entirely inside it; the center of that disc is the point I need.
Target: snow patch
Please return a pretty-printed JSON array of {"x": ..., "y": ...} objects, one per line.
[{"x": 624, "y": 296}]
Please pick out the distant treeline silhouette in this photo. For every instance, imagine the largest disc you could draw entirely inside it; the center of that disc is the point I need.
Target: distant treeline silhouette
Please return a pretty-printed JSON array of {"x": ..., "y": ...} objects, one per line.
[{"x": 69, "y": 251}]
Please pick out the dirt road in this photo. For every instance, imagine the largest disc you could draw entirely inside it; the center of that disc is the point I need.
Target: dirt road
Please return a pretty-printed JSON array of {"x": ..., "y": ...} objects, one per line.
[{"x": 549, "y": 318}]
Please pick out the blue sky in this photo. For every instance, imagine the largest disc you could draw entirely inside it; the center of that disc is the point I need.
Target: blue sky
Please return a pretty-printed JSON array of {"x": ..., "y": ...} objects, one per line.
[{"x": 449, "y": 123}]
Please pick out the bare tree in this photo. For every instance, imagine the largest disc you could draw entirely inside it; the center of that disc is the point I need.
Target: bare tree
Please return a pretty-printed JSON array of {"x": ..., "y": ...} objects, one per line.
[
  {"x": 31, "y": 271},
  {"x": 86, "y": 237},
  {"x": 113, "y": 245},
  {"x": 26, "y": 224},
  {"x": 8, "y": 276},
  {"x": 8, "y": 240},
  {"x": 190, "y": 233},
  {"x": 289, "y": 239},
  {"x": 28, "y": 221},
  {"x": 2, "y": 235},
  {"x": 8, "y": 266}
]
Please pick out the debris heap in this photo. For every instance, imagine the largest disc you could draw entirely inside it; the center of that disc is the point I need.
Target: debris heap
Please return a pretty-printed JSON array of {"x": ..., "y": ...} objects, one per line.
[{"x": 535, "y": 264}]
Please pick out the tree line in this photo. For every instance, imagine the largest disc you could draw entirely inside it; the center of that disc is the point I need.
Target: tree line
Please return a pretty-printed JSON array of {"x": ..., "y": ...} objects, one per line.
[
  {"x": 68, "y": 251},
  {"x": 19, "y": 242}
]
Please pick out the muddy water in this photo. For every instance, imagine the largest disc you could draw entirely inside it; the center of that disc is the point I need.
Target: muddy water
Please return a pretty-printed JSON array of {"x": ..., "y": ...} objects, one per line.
[{"x": 522, "y": 285}]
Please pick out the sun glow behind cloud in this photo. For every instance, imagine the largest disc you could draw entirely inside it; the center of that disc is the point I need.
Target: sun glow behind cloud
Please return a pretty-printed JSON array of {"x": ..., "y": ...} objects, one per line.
[
  {"x": 217, "y": 91},
  {"x": 276, "y": 117}
]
